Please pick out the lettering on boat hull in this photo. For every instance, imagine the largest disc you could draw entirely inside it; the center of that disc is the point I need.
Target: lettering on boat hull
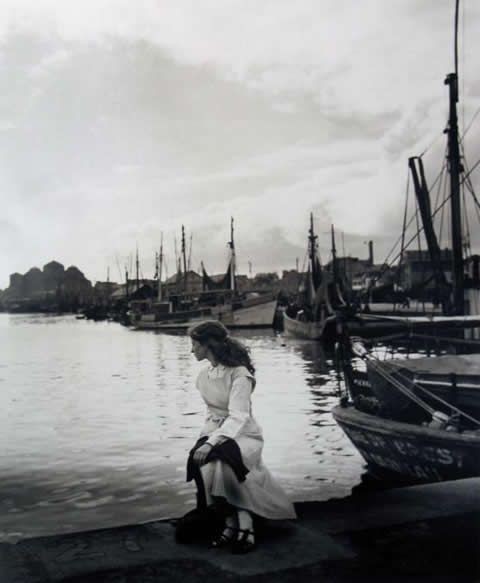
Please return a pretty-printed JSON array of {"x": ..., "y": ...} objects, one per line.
[{"x": 410, "y": 457}]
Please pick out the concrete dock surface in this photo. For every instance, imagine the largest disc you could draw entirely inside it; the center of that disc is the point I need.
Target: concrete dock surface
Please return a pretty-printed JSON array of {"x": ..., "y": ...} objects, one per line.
[{"x": 420, "y": 533}]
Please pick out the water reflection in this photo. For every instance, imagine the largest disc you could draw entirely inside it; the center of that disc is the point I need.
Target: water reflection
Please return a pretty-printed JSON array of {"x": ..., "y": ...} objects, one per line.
[{"x": 96, "y": 422}]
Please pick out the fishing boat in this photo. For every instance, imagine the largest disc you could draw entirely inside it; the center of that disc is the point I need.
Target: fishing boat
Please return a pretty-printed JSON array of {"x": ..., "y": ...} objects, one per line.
[
  {"x": 407, "y": 452},
  {"x": 321, "y": 304},
  {"x": 412, "y": 429},
  {"x": 418, "y": 418},
  {"x": 312, "y": 314},
  {"x": 453, "y": 279},
  {"x": 220, "y": 300}
]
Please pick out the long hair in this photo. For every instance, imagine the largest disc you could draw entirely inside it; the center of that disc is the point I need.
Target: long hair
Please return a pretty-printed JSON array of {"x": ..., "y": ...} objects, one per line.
[{"x": 226, "y": 350}]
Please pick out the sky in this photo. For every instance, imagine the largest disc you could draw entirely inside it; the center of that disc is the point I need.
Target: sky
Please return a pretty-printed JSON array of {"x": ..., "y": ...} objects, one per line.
[{"x": 120, "y": 121}]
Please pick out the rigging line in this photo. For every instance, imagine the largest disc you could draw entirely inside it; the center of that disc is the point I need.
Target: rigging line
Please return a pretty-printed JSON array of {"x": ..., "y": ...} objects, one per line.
[
  {"x": 443, "y": 213},
  {"x": 470, "y": 171},
  {"x": 420, "y": 255},
  {"x": 402, "y": 247},
  {"x": 413, "y": 237},
  {"x": 435, "y": 139},
  {"x": 466, "y": 225},
  {"x": 446, "y": 339},
  {"x": 477, "y": 210},
  {"x": 440, "y": 182},
  {"x": 470, "y": 124},
  {"x": 469, "y": 185},
  {"x": 411, "y": 221},
  {"x": 418, "y": 239},
  {"x": 392, "y": 250},
  {"x": 466, "y": 178},
  {"x": 417, "y": 384},
  {"x": 300, "y": 282},
  {"x": 379, "y": 366},
  {"x": 476, "y": 205}
]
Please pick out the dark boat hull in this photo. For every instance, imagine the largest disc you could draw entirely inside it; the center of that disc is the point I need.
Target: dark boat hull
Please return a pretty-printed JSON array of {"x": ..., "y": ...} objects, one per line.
[{"x": 411, "y": 453}]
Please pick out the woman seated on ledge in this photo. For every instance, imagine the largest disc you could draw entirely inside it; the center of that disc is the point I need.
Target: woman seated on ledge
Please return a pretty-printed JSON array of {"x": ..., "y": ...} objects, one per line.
[{"x": 226, "y": 462}]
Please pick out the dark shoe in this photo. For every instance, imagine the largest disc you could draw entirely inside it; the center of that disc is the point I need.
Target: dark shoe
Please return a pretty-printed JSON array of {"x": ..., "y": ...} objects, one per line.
[
  {"x": 223, "y": 539},
  {"x": 245, "y": 543}
]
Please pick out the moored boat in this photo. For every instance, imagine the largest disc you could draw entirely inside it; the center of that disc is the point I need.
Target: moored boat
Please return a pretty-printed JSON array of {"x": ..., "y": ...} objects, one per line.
[
  {"x": 256, "y": 312},
  {"x": 417, "y": 427},
  {"x": 454, "y": 378},
  {"x": 299, "y": 328},
  {"x": 219, "y": 300},
  {"x": 409, "y": 452}
]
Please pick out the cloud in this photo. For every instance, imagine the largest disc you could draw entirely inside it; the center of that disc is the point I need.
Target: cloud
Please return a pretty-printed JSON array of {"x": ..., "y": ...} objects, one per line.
[{"x": 122, "y": 122}]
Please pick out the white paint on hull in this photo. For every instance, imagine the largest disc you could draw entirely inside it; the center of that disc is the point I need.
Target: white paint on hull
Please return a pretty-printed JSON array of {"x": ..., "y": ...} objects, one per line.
[
  {"x": 259, "y": 315},
  {"x": 299, "y": 329}
]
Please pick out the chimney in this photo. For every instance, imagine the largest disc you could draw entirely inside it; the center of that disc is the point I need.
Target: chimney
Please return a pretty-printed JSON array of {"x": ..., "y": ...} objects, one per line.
[{"x": 370, "y": 253}]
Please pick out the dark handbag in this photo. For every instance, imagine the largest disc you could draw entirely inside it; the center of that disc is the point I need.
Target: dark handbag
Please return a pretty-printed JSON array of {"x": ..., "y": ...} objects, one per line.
[{"x": 198, "y": 525}]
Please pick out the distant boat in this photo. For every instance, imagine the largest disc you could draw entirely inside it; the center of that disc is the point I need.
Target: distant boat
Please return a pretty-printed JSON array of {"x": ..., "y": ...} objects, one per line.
[
  {"x": 312, "y": 314},
  {"x": 220, "y": 300},
  {"x": 320, "y": 306}
]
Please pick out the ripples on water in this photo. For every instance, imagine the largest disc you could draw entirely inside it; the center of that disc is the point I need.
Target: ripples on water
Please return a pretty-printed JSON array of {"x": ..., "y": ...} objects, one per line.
[{"x": 97, "y": 421}]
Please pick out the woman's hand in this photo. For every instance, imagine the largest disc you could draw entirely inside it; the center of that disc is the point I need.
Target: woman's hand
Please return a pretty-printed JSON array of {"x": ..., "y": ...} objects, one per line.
[{"x": 201, "y": 453}]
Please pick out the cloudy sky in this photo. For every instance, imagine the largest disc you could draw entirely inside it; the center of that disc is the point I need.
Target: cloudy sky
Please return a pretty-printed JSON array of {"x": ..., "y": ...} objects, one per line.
[{"x": 120, "y": 120}]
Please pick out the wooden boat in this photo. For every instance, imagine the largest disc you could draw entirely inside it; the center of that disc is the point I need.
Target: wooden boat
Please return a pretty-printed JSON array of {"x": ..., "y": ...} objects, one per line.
[
  {"x": 321, "y": 305},
  {"x": 412, "y": 420},
  {"x": 257, "y": 312},
  {"x": 219, "y": 300},
  {"x": 303, "y": 329},
  {"x": 312, "y": 315},
  {"x": 408, "y": 452},
  {"x": 419, "y": 419},
  {"x": 453, "y": 378},
  {"x": 371, "y": 325},
  {"x": 457, "y": 292}
]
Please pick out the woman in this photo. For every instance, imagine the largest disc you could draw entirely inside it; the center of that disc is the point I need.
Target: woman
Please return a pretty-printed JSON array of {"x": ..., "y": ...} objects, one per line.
[{"x": 226, "y": 461}]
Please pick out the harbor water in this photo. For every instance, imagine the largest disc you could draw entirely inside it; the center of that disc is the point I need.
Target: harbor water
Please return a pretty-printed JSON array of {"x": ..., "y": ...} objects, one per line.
[{"x": 96, "y": 421}]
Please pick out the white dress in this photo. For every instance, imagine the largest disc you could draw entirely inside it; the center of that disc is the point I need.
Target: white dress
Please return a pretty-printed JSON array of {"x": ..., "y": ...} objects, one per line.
[{"x": 227, "y": 394}]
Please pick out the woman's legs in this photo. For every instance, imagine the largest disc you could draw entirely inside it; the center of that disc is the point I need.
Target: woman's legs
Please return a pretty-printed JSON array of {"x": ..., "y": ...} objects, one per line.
[
  {"x": 245, "y": 526},
  {"x": 228, "y": 533},
  {"x": 238, "y": 521},
  {"x": 207, "y": 471},
  {"x": 245, "y": 541}
]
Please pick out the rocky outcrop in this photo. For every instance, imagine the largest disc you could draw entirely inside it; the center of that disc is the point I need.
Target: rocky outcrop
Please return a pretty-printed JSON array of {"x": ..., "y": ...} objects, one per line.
[
  {"x": 54, "y": 286},
  {"x": 54, "y": 274}
]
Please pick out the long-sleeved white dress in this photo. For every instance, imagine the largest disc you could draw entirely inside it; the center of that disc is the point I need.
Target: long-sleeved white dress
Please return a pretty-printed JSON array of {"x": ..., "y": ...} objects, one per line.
[{"x": 227, "y": 394}]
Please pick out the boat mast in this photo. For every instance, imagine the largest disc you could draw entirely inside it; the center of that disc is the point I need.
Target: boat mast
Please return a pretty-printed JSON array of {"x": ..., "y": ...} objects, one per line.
[
  {"x": 334, "y": 256},
  {"x": 455, "y": 168},
  {"x": 189, "y": 262},
  {"x": 312, "y": 251},
  {"x": 231, "y": 244},
  {"x": 137, "y": 269},
  {"x": 160, "y": 269},
  {"x": 184, "y": 256}
]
